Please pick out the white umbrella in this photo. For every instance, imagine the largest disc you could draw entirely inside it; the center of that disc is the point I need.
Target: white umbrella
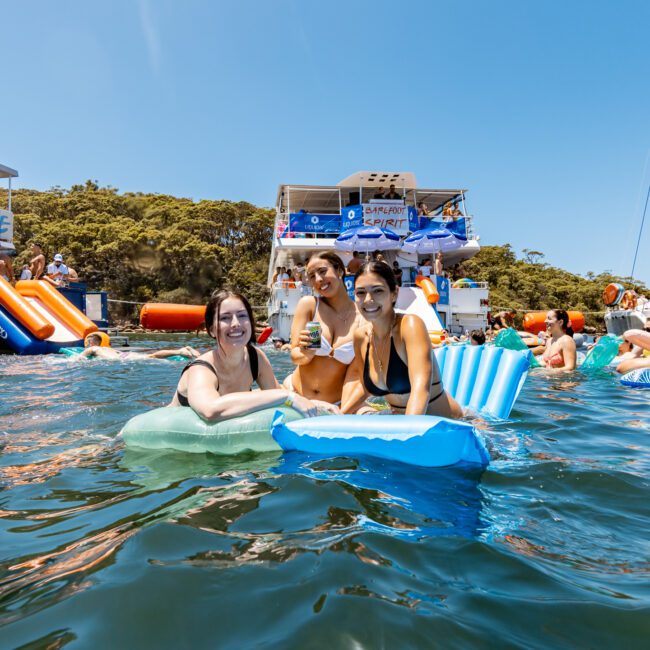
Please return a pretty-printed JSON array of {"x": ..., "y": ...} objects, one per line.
[
  {"x": 366, "y": 239},
  {"x": 431, "y": 240}
]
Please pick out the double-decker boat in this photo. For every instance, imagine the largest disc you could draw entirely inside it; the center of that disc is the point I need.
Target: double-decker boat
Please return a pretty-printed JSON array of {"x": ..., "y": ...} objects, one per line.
[{"x": 309, "y": 218}]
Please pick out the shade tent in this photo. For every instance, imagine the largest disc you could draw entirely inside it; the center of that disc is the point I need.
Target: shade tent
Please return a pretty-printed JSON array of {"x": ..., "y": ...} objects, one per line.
[
  {"x": 365, "y": 239},
  {"x": 431, "y": 240}
]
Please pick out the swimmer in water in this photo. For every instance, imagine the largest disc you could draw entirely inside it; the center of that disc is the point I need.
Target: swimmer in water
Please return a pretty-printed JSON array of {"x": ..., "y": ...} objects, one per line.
[
  {"x": 560, "y": 352},
  {"x": 94, "y": 349}
]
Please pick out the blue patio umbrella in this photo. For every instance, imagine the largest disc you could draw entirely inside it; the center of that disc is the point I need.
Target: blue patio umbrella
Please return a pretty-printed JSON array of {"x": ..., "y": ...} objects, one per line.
[
  {"x": 431, "y": 240},
  {"x": 367, "y": 238}
]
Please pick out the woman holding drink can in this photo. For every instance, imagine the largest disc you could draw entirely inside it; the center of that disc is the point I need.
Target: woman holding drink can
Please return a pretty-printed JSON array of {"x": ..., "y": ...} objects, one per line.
[{"x": 321, "y": 335}]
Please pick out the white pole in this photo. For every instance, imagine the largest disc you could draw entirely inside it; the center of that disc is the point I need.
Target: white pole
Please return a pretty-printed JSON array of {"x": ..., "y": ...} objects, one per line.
[{"x": 9, "y": 206}]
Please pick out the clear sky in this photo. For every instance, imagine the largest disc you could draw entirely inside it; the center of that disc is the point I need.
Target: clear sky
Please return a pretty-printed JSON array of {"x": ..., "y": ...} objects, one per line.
[{"x": 540, "y": 109}]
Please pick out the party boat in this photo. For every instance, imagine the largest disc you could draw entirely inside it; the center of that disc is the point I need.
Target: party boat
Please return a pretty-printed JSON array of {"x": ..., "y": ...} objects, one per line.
[{"x": 310, "y": 218}]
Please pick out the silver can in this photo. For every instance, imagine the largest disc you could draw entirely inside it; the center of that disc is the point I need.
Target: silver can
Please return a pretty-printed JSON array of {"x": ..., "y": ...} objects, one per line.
[{"x": 314, "y": 329}]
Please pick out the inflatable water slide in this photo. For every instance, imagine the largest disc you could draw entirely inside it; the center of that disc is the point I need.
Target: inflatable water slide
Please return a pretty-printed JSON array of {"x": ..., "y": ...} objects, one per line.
[{"x": 35, "y": 318}]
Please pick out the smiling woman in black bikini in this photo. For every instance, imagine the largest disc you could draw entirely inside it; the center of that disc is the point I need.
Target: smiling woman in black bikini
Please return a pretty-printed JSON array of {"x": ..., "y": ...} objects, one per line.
[
  {"x": 218, "y": 384},
  {"x": 326, "y": 373},
  {"x": 393, "y": 353}
]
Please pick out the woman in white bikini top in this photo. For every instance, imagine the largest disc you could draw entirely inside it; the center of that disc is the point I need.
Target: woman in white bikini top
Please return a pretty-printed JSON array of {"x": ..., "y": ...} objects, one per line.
[{"x": 324, "y": 373}]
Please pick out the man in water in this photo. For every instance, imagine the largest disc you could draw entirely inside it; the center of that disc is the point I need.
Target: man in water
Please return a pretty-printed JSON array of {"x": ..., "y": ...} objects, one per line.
[{"x": 93, "y": 348}]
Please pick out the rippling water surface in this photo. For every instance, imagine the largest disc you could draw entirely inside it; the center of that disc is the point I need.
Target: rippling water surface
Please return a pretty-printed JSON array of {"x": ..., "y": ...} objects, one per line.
[{"x": 107, "y": 547}]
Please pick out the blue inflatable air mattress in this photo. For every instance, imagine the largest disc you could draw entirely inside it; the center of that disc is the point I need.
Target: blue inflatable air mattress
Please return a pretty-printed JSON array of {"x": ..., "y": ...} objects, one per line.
[{"x": 423, "y": 440}]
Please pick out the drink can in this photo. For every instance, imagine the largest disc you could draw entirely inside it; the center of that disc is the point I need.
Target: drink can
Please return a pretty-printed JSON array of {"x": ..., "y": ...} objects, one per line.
[{"x": 314, "y": 329}]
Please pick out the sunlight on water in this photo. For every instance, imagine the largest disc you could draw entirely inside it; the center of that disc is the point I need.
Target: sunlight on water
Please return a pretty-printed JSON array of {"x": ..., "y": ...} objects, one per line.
[{"x": 106, "y": 546}]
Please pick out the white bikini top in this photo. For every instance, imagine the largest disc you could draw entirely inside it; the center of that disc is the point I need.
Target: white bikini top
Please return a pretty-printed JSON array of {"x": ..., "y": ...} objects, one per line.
[{"x": 343, "y": 353}]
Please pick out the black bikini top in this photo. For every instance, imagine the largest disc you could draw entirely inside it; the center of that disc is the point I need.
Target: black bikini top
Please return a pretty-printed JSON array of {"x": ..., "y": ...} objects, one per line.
[
  {"x": 252, "y": 360},
  {"x": 397, "y": 374}
]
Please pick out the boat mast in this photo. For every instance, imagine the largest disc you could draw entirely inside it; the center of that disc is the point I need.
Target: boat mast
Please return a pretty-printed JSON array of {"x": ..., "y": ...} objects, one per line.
[{"x": 638, "y": 241}]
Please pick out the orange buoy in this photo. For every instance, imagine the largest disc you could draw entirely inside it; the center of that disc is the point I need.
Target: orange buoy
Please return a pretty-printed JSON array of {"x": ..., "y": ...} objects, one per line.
[
  {"x": 168, "y": 316},
  {"x": 428, "y": 289},
  {"x": 613, "y": 293},
  {"x": 534, "y": 321},
  {"x": 264, "y": 335}
]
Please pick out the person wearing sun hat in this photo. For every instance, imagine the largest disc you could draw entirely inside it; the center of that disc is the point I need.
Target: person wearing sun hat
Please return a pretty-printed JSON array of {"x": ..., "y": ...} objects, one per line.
[{"x": 57, "y": 270}]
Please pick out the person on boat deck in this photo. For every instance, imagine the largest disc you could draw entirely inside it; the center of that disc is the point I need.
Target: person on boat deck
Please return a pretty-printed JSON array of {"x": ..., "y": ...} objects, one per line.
[
  {"x": 6, "y": 268},
  {"x": 276, "y": 275},
  {"x": 437, "y": 265},
  {"x": 217, "y": 385},
  {"x": 57, "y": 270},
  {"x": 392, "y": 195},
  {"x": 379, "y": 194},
  {"x": 393, "y": 354},
  {"x": 398, "y": 273},
  {"x": 426, "y": 268},
  {"x": 25, "y": 274},
  {"x": 324, "y": 373},
  {"x": 355, "y": 263},
  {"x": 93, "y": 348},
  {"x": 456, "y": 211},
  {"x": 448, "y": 211},
  {"x": 37, "y": 263},
  {"x": 560, "y": 352},
  {"x": 423, "y": 211}
]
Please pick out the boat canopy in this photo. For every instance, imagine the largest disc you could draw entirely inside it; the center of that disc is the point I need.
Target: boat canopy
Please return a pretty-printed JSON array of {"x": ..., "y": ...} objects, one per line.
[
  {"x": 7, "y": 172},
  {"x": 357, "y": 188}
]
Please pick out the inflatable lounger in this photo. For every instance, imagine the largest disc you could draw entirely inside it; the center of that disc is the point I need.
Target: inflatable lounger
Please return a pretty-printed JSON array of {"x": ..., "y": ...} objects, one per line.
[
  {"x": 639, "y": 378},
  {"x": 423, "y": 440},
  {"x": 486, "y": 379},
  {"x": 180, "y": 428}
]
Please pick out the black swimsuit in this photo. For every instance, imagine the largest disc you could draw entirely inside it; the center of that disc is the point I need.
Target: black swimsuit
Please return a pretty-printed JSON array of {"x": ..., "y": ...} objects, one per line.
[
  {"x": 397, "y": 376},
  {"x": 252, "y": 360}
]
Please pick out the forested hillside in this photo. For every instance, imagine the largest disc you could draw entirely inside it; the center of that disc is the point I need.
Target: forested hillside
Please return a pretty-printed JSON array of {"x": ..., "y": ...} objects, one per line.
[{"x": 142, "y": 247}]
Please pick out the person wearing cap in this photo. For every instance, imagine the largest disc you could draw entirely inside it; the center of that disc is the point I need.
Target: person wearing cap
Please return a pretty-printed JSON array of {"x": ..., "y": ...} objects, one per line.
[{"x": 57, "y": 270}]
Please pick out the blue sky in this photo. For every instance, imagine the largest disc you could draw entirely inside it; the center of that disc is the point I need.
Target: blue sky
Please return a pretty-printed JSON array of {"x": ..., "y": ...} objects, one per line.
[{"x": 540, "y": 109}]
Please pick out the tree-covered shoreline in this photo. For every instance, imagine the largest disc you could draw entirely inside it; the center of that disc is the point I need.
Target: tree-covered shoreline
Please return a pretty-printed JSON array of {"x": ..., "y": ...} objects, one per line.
[{"x": 142, "y": 247}]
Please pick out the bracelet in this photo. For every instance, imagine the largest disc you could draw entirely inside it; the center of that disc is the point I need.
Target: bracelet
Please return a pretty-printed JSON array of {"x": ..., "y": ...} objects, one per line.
[{"x": 289, "y": 401}]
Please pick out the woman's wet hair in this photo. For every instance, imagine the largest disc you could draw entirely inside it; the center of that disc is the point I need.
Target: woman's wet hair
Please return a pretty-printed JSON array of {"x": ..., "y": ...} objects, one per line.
[
  {"x": 381, "y": 269},
  {"x": 94, "y": 339},
  {"x": 213, "y": 308},
  {"x": 563, "y": 318},
  {"x": 478, "y": 336},
  {"x": 330, "y": 257}
]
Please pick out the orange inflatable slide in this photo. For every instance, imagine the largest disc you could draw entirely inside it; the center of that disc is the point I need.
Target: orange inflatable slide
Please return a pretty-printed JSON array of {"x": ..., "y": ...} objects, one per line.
[{"x": 37, "y": 319}]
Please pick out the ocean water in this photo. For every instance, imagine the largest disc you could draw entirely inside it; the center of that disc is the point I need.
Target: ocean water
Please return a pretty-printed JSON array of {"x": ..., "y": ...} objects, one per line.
[{"x": 103, "y": 546}]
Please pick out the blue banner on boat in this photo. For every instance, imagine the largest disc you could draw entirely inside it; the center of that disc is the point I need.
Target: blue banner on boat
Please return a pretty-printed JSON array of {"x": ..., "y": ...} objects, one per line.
[
  {"x": 316, "y": 223},
  {"x": 348, "y": 280},
  {"x": 442, "y": 284},
  {"x": 351, "y": 217},
  {"x": 457, "y": 227},
  {"x": 414, "y": 220}
]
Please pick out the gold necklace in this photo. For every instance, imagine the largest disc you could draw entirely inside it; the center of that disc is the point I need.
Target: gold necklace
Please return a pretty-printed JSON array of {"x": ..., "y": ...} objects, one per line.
[{"x": 375, "y": 347}]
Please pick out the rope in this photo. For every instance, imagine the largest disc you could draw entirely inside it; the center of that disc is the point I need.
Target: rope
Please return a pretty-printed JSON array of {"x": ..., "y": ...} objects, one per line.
[{"x": 127, "y": 302}]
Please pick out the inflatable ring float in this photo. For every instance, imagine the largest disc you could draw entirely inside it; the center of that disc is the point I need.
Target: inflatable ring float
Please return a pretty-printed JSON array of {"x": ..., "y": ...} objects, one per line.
[
  {"x": 639, "y": 378},
  {"x": 613, "y": 293}
]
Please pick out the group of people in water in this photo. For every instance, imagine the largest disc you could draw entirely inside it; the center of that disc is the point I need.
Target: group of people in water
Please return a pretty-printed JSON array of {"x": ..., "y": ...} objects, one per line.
[{"x": 367, "y": 349}]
